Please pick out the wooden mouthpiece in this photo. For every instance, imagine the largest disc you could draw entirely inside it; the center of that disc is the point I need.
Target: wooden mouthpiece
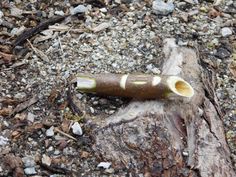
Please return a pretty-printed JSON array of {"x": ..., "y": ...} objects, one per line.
[{"x": 133, "y": 85}]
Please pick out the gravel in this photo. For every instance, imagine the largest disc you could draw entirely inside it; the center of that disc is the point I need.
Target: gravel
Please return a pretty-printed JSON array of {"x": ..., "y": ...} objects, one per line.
[
  {"x": 123, "y": 37},
  {"x": 162, "y": 8}
]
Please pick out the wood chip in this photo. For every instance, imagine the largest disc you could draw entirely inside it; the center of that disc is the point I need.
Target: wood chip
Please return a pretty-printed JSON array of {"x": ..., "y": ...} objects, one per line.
[
  {"x": 39, "y": 53},
  {"x": 232, "y": 68},
  {"x": 101, "y": 27},
  {"x": 7, "y": 58},
  {"x": 33, "y": 31}
]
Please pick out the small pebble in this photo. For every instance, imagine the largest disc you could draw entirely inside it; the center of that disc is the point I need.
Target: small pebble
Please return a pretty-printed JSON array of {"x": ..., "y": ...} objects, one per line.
[
  {"x": 30, "y": 171},
  {"x": 46, "y": 160},
  {"x": 20, "y": 95},
  {"x": 101, "y": 27},
  {"x": 105, "y": 165},
  {"x": 28, "y": 161},
  {"x": 56, "y": 152},
  {"x": 79, "y": 9},
  {"x": 76, "y": 129},
  {"x": 30, "y": 117},
  {"x": 1, "y": 14},
  {"x": 185, "y": 153},
  {"x": 225, "y": 32},
  {"x": 3, "y": 141},
  {"x": 50, "y": 132},
  {"x": 161, "y": 8},
  {"x": 15, "y": 11},
  {"x": 61, "y": 13}
]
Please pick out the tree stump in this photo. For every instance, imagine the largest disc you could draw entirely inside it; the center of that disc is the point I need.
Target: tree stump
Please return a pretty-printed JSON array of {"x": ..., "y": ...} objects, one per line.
[{"x": 174, "y": 137}]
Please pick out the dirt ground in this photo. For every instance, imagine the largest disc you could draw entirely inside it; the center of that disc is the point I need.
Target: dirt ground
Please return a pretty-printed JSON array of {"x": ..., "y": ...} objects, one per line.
[{"x": 45, "y": 43}]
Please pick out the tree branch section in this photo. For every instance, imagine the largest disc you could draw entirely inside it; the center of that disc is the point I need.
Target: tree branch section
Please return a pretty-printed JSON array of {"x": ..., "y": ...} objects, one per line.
[{"x": 171, "y": 137}]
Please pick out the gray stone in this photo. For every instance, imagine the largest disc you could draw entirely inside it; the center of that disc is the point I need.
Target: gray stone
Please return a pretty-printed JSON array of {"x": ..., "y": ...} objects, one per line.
[
  {"x": 50, "y": 132},
  {"x": 161, "y": 8},
  {"x": 79, "y": 9},
  {"x": 16, "y": 12},
  {"x": 20, "y": 95},
  {"x": 30, "y": 117},
  {"x": 61, "y": 13},
  {"x": 225, "y": 32},
  {"x": 28, "y": 161},
  {"x": 1, "y": 14},
  {"x": 30, "y": 171},
  {"x": 76, "y": 129},
  {"x": 3, "y": 141},
  {"x": 46, "y": 160}
]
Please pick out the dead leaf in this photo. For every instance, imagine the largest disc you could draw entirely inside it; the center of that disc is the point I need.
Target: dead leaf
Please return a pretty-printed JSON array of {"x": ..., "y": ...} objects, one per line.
[
  {"x": 53, "y": 96},
  {"x": 213, "y": 13},
  {"x": 39, "y": 53},
  {"x": 232, "y": 68},
  {"x": 14, "y": 164},
  {"x": 35, "y": 127},
  {"x": 65, "y": 126},
  {"x": 62, "y": 144},
  {"x": 5, "y": 112},
  {"x": 8, "y": 101},
  {"x": 24, "y": 105},
  {"x": 5, "y": 49},
  {"x": 84, "y": 154},
  {"x": 15, "y": 135},
  {"x": 7, "y": 58},
  {"x": 20, "y": 117}
]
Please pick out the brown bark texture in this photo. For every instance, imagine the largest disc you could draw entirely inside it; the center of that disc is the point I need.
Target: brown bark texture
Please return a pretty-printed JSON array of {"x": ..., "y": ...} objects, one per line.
[{"x": 174, "y": 137}]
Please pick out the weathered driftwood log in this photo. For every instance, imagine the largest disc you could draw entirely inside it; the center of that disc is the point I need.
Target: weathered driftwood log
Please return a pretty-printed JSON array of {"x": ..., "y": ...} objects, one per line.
[
  {"x": 134, "y": 85},
  {"x": 181, "y": 137}
]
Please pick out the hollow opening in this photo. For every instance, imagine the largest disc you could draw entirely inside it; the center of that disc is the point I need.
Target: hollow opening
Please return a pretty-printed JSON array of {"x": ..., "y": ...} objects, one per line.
[{"x": 184, "y": 89}]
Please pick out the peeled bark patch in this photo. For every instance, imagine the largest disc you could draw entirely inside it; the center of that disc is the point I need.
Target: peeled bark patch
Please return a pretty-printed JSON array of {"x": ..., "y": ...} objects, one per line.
[{"x": 178, "y": 137}]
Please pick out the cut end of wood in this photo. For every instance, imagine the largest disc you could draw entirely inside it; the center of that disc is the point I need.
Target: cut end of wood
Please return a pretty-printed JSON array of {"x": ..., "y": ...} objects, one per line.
[
  {"x": 85, "y": 83},
  {"x": 180, "y": 86}
]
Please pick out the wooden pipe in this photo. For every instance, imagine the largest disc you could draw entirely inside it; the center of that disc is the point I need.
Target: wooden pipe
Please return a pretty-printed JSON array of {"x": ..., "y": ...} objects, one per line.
[{"x": 139, "y": 86}]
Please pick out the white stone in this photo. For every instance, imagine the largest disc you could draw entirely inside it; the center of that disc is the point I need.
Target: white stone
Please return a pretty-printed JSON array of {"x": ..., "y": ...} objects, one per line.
[
  {"x": 1, "y": 14},
  {"x": 105, "y": 165},
  {"x": 30, "y": 171},
  {"x": 76, "y": 129},
  {"x": 46, "y": 160},
  {"x": 20, "y": 95},
  {"x": 30, "y": 117},
  {"x": 78, "y": 9},
  {"x": 50, "y": 131},
  {"x": 17, "y": 31},
  {"x": 161, "y": 8},
  {"x": 61, "y": 13},
  {"x": 185, "y": 153},
  {"x": 225, "y": 32},
  {"x": 28, "y": 161},
  {"x": 3, "y": 141}
]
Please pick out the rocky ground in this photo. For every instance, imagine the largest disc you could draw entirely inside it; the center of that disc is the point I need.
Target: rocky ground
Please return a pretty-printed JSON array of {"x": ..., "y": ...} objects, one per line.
[{"x": 40, "y": 132}]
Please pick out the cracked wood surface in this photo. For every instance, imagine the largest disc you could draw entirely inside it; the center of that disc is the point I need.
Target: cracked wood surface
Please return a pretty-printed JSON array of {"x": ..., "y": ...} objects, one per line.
[{"x": 178, "y": 137}]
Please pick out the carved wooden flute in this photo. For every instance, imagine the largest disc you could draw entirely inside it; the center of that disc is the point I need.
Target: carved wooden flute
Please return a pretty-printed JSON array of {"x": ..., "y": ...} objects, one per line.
[{"x": 139, "y": 86}]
